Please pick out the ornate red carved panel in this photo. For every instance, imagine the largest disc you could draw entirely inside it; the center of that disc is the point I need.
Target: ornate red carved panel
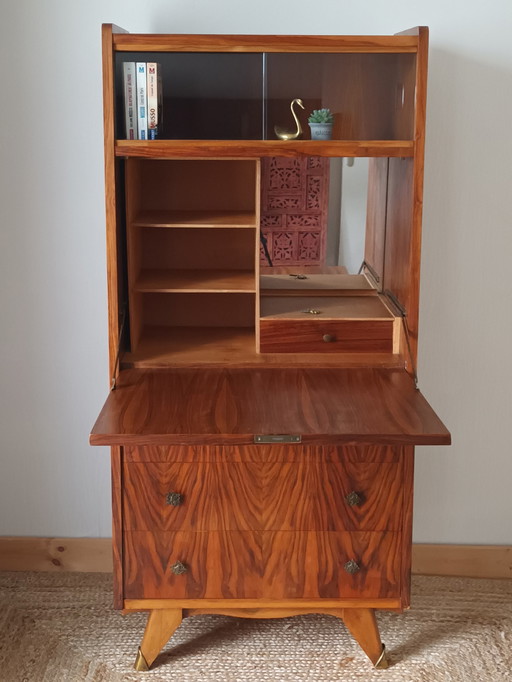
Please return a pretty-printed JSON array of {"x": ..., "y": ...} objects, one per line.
[{"x": 295, "y": 195}]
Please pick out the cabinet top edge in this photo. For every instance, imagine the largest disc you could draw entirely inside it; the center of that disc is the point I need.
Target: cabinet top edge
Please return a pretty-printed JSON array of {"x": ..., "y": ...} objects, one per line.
[{"x": 140, "y": 42}]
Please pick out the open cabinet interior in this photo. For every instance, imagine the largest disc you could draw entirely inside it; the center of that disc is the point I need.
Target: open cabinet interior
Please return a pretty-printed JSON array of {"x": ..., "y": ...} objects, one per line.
[{"x": 246, "y": 258}]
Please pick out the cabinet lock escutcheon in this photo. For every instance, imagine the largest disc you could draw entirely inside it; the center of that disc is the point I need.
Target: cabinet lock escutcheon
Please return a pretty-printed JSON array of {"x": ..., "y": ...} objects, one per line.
[
  {"x": 178, "y": 568},
  {"x": 351, "y": 567},
  {"x": 353, "y": 499},
  {"x": 174, "y": 499}
]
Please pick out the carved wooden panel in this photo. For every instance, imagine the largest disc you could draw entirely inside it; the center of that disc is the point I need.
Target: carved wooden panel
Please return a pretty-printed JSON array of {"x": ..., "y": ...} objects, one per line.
[{"x": 295, "y": 194}]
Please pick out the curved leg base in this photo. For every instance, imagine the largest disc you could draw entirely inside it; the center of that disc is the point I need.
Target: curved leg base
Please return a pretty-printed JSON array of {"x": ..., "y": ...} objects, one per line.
[
  {"x": 161, "y": 625},
  {"x": 362, "y": 625}
]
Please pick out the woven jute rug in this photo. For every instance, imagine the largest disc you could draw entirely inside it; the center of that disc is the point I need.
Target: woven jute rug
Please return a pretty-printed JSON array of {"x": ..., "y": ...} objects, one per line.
[{"x": 62, "y": 628}]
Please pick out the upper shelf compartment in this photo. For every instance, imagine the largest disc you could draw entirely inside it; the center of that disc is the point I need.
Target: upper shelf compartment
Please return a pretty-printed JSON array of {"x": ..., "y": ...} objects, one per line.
[{"x": 233, "y": 96}]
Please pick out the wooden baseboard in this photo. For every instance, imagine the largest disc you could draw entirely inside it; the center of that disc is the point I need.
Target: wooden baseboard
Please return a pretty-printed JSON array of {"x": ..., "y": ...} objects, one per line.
[
  {"x": 95, "y": 555},
  {"x": 56, "y": 554},
  {"x": 468, "y": 561}
]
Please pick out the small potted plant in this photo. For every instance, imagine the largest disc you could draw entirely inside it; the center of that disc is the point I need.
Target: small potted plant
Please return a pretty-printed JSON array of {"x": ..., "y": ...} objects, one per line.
[{"x": 320, "y": 122}]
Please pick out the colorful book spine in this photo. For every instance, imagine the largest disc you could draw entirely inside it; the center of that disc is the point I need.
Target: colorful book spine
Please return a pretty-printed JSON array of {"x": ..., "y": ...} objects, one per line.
[
  {"x": 142, "y": 101},
  {"x": 153, "y": 92},
  {"x": 130, "y": 109}
]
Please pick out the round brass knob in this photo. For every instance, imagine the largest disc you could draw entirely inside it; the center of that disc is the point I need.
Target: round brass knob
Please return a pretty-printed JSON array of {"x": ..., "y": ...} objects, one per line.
[
  {"x": 174, "y": 499},
  {"x": 353, "y": 499},
  {"x": 351, "y": 567},
  {"x": 179, "y": 568},
  {"x": 329, "y": 338}
]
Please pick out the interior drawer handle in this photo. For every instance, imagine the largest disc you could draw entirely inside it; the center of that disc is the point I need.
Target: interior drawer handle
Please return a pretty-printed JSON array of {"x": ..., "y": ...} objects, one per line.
[
  {"x": 353, "y": 499},
  {"x": 329, "y": 338},
  {"x": 351, "y": 567},
  {"x": 174, "y": 499},
  {"x": 179, "y": 568}
]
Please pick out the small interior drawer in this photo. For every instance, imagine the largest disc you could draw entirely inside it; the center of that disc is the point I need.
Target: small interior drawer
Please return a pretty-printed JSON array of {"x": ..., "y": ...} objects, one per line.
[
  {"x": 326, "y": 336},
  {"x": 335, "y": 324}
]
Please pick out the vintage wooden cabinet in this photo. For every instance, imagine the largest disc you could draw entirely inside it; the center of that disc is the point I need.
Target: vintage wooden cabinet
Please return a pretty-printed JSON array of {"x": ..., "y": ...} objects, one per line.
[{"x": 262, "y": 420}]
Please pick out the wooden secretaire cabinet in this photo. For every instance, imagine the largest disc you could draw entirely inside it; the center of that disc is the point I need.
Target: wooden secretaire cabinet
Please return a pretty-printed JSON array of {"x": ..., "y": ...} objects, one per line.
[{"x": 263, "y": 415}]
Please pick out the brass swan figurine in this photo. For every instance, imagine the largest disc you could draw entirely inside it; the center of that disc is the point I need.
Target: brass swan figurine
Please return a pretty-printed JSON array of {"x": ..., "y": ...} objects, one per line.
[{"x": 284, "y": 134}]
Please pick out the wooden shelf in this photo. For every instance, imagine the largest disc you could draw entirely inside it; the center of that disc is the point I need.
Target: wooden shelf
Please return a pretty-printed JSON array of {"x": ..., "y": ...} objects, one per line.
[
  {"x": 196, "y": 281},
  {"x": 315, "y": 285},
  {"x": 195, "y": 219},
  {"x": 164, "y": 347},
  {"x": 329, "y": 308},
  {"x": 141, "y": 42},
  {"x": 162, "y": 149}
]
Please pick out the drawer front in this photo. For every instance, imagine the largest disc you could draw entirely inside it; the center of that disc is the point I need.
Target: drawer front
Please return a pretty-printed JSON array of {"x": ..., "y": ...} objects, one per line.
[
  {"x": 326, "y": 496},
  {"x": 197, "y": 497},
  {"x": 262, "y": 453},
  {"x": 317, "y": 336},
  {"x": 311, "y": 565},
  {"x": 271, "y": 565},
  {"x": 219, "y": 565},
  {"x": 311, "y": 495}
]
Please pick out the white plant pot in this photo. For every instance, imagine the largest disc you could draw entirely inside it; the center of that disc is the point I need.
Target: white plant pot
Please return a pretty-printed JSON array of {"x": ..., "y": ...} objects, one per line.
[{"x": 321, "y": 131}]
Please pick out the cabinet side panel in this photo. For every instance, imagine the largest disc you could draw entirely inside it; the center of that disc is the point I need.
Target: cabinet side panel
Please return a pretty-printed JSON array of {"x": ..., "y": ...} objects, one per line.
[
  {"x": 117, "y": 524},
  {"x": 376, "y": 218},
  {"x": 111, "y": 186},
  {"x": 407, "y": 508}
]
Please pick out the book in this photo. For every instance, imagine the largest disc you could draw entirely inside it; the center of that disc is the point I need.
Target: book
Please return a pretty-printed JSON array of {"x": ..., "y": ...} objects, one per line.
[
  {"x": 154, "y": 89},
  {"x": 142, "y": 104},
  {"x": 129, "y": 92}
]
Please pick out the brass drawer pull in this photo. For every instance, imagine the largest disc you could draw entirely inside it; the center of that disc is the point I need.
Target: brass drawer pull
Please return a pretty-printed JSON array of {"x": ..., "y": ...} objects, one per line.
[
  {"x": 353, "y": 499},
  {"x": 179, "y": 568},
  {"x": 329, "y": 338},
  {"x": 351, "y": 567},
  {"x": 174, "y": 499}
]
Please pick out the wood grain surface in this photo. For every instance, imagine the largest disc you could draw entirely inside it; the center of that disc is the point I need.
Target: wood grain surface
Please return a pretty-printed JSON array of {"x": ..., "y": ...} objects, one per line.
[
  {"x": 250, "y": 564},
  {"x": 262, "y": 453},
  {"x": 310, "y": 495},
  {"x": 135, "y": 42},
  {"x": 166, "y": 149},
  {"x": 307, "y": 336},
  {"x": 230, "y": 406}
]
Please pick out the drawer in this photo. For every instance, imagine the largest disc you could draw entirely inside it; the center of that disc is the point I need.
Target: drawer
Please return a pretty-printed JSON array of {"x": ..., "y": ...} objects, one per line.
[
  {"x": 270, "y": 565},
  {"x": 318, "y": 495},
  {"x": 311, "y": 565},
  {"x": 219, "y": 565},
  {"x": 261, "y": 453},
  {"x": 191, "y": 496},
  {"x": 307, "y": 495},
  {"x": 319, "y": 336}
]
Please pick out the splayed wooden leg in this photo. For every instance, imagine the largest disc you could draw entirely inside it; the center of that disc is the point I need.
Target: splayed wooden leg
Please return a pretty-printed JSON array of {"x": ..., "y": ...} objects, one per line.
[
  {"x": 161, "y": 625},
  {"x": 362, "y": 625}
]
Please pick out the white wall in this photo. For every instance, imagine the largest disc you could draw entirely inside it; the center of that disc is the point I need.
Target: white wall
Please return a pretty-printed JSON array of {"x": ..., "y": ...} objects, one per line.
[{"x": 53, "y": 312}]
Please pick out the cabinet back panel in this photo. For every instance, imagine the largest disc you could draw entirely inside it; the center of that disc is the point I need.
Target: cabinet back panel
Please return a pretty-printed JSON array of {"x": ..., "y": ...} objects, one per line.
[
  {"x": 370, "y": 95},
  {"x": 181, "y": 185},
  {"x": 197, "y": 248},
  {"x": 198, "y": 310}
]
